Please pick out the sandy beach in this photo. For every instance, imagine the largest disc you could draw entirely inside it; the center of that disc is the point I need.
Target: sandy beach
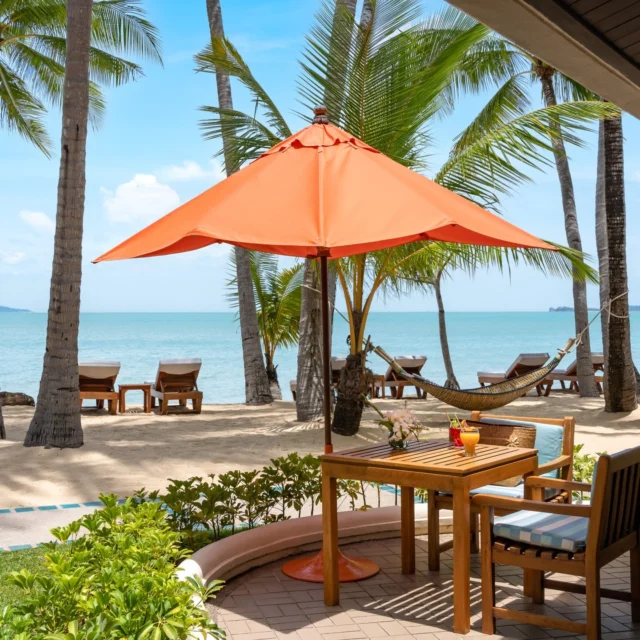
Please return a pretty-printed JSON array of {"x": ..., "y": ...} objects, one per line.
[{"x": 126, "y": 452}]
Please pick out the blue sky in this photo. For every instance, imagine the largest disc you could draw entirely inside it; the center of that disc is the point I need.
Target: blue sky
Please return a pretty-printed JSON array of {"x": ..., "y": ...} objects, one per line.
[{"x": 148, "y": 157}]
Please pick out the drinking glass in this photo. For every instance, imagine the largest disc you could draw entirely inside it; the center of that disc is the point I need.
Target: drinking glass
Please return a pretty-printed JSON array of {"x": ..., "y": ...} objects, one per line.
[{"x": 470, "y": 437}]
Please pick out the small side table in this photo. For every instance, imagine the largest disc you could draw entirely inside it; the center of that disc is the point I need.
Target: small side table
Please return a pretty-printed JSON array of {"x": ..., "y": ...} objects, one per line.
[{"x": 144, "y": 387}]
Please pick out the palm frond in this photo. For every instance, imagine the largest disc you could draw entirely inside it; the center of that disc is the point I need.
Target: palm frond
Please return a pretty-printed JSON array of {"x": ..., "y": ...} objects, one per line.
[
  {"x": 495, "y": 163},
  {"x": 121, "y": 25},
  {"x": 221, "y": 55},
  {"x": 21, "y": 111}
]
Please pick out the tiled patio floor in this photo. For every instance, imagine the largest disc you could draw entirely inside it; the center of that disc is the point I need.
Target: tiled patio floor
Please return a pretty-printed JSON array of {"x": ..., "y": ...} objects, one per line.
[{"x": 264, "y": 604}]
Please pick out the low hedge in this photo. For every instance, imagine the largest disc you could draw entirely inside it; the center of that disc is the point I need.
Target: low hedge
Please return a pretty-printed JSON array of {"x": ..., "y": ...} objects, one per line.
[{"x": 117, "y": 580}]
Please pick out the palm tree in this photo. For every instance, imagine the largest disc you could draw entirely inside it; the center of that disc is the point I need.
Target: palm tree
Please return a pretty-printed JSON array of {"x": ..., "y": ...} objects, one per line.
[
  {"x": 32, "y": 58},
  {"x": 278, "y": 294},
  {"x": 257, "y": 389},
  {"x": 400, "y": 76},
  {"x": 56, "y": 421},
  {"x": 620, "y": 381}
]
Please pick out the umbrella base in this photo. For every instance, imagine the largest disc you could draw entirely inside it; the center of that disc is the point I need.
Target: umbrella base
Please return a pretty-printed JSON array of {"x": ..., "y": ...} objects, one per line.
[{"x": 311, "y": 568}]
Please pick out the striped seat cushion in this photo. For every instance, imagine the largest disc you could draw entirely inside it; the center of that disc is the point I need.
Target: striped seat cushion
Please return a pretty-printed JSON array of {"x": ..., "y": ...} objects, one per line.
[{"x": 564, "y": 533}]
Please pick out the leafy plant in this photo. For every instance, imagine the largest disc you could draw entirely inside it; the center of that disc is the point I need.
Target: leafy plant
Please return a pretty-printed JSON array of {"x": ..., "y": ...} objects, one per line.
[
  {"x": 118, "y": 580},
  {"x": 584, "y": 465}
]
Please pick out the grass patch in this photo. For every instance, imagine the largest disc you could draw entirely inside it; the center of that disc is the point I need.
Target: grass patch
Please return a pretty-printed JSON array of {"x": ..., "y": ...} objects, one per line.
[{"x": 30, "y": 559}]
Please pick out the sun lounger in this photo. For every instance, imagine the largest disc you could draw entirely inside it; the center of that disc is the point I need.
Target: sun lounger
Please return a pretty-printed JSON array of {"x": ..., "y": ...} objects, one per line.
[
  {"x": 391, "y": 380},
  {"x": 524, "y": 363},
  {"x": 570, "y": 375},
  {"x": 177, "y": 380},
  {"x": 98, "y": 382},
  {"x": 337, "y": 363}
]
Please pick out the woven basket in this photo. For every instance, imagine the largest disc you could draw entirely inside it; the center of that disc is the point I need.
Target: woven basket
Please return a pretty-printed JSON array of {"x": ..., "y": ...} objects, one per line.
[{"x": 503, "y": 435}]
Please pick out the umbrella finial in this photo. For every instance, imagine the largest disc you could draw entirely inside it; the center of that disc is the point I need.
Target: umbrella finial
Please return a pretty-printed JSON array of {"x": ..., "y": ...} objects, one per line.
[{"x": 320, "y": 115}]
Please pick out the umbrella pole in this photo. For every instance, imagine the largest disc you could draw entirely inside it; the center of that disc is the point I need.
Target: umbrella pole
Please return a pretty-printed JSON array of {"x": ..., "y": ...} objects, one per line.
[
  {"x": 326, "y": 354},
  {"x": 311, "y": 568}
]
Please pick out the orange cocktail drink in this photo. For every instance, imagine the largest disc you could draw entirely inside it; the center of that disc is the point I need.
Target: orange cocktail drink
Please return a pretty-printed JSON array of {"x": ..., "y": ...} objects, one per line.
[{"x": 469, "y": 437}]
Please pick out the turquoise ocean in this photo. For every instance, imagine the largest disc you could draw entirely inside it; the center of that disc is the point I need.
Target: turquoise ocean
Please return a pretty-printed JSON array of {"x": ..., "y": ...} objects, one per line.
[{"x": 478, "y": 341}]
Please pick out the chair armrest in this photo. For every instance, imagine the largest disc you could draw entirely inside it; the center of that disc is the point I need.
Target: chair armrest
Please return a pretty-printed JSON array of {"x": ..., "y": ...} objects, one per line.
[
  {"x": 518, "y": 504},
  {"x": 556, "y": 483},
  {"x": 558, "y": 463}
]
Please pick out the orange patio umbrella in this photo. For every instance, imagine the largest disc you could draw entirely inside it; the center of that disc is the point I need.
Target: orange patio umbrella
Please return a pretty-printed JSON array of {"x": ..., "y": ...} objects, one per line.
[{"x": 322, "y": 193}]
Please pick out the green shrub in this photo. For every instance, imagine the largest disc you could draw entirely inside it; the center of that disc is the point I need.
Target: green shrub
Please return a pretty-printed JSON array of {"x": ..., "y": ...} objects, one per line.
[
  {"x": 584, "y": 465},
  {"x": 119, "y": 579}
]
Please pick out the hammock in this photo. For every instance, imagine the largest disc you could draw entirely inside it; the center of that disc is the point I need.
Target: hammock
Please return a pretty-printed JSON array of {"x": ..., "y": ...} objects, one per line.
[{"x": 482, "y": 398}]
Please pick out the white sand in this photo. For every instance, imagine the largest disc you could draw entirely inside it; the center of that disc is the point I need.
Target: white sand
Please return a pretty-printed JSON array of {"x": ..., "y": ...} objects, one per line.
[{"x": 126, "y": 452}]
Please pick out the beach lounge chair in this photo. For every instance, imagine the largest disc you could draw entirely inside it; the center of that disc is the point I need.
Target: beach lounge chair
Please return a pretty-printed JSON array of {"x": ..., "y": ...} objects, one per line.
[
  {"x": 524, "y": 363},
  {"x": 554, "y": 442},
  {"x": 337, "y": 363},
  {"x": 177, "y": 380},
  {"x": 574, "y": 539},
  {"x": 98, "y": 382},
  {"x": 396, "y": 383},
  {"x": 570, "y": 375}
]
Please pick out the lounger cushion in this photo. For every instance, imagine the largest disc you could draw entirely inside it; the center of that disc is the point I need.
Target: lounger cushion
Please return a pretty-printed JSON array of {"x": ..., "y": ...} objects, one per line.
[
  {"x": 533, "y": 360},
  {"x": 565, "y": 533},
  {"x": 180, "y": 366},
  {"x": 549, "y": 439},
  {"x": 509, "y": 492},
  {"x": 99, "y": 369}
]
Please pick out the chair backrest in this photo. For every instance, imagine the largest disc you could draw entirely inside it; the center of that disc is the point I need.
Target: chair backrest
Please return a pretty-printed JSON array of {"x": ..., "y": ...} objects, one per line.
[
  {"x": 526, "y": 362},
  {"x": 567, "y": 423},
  {"x": 411, "y": 364},
  {"x": 597, "y": 360},
  {"x": 180, "y": 374},
  {"x": 615, "y": 521},
  {"x": 98, "y": 375}
]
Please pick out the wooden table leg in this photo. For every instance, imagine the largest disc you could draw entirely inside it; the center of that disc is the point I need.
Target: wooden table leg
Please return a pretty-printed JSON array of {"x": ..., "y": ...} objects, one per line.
[
  {"x": 461, "y": 558},
  {"x": 330, "y": 541},
  {"x": 408, "y": 529},
  {"x": 147, "y": 401},
  {"x": 121, "y": 404}
]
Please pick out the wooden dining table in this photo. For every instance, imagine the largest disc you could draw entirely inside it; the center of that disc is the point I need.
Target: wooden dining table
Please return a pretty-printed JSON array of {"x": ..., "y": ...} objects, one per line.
[{"x": 429, "y": 464}]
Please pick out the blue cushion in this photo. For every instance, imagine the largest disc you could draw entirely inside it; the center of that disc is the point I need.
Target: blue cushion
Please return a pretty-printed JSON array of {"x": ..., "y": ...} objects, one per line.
[
  {"x": 509, "y": 492},
  {"x": 565, "y": 533},
  {"x": 549, "y": 438}
]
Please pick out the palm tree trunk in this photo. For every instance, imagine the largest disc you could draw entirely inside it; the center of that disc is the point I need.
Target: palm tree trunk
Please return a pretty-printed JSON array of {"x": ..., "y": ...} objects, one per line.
[
  {"x": 351, "y": 389},
  {"x": 56, "y": 421},
  {"x": 256, "y": 382},
  {"x": 586, "y": 378},
  {"x": 309, "y": 374},
  {"x": 451, "y": 382},
  {"x": 272, "y": 375},
  {"x": 601, "y": 238},
  {"x": 620, "y": 378}
]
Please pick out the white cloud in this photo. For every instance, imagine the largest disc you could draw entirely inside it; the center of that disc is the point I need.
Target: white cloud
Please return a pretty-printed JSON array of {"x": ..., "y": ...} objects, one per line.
[
  {"x": 11, "y": 257},
  {"x": 141, "y": 199},
  {"x": 39, "y": 221},
  {"x": 190, "y": 170}
]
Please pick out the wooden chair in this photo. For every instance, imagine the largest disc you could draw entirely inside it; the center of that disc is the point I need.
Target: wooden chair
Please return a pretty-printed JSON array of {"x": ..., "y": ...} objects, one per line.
[
  {"x": 570, "y": 375},
  {"x": 524, "y": 363},
  {"x": 574, "y": 539},
  {"x": 97, "y": 381},
  {"x": 177, "y": 380},
  {"x": 396, "y": 383},
  {"x": 557, "y": 460}
]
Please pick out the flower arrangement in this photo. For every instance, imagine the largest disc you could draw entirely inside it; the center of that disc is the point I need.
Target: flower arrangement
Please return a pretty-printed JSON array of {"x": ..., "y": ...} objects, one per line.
[{"x": 401, "y": 424}]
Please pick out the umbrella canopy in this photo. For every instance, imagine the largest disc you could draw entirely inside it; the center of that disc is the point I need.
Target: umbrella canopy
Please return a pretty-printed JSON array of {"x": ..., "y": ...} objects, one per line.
[{"x": 322, "y": 192}]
